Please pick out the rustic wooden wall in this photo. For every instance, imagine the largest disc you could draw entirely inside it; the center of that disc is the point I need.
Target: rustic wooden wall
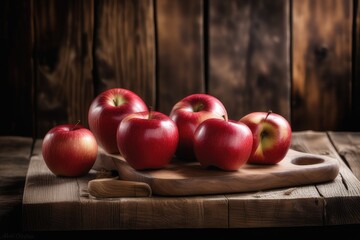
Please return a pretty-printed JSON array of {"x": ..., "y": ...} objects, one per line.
[
  {"x": 322, "y": 63},
  {"x": 16, "y": 81},
  {"x": 297, "y": 57},
  {"x": 180, "y": 48},
  {"x": 249, "y": 55},
  {"x": 355, "y": 101},
  {"x": 63, "y": 32},
  {"x": 124, "y": 47}
]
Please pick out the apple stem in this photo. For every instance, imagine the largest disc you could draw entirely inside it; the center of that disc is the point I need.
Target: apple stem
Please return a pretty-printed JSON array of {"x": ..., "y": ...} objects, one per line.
[
  {"x": 269, "y": 112},
  {"x": 224, "y": 117},
  {"x": 75, "y": 125}
]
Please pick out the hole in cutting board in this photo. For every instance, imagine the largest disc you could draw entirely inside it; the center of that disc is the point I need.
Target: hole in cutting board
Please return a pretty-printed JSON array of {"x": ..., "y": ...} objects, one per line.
[{"x": 307, "y": 161}]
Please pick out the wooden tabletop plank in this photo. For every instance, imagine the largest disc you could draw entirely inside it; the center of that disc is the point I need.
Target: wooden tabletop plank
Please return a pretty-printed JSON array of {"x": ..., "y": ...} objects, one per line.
[
  {"x": 347, "y": 145},
  {"x": 280, "y": 207},
  {"x": 341, "y": 195},
  {"x": 48, "y": 201},
  {"x": 15, "y": 146},
  {"x": 154, "y": 213},
  {"x": 14, "y": 161},
  {"x": 54, "y": 203},
  {"x": 288, "y": 207}
]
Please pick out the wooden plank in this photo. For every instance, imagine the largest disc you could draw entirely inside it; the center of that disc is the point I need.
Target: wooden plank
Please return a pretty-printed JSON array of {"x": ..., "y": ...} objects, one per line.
[
  {"x": 156, "y": 213},
  {"x": 322, "y": 50},
  {"x": 54, "y": 203},
  {"x": 124, "y": 48},
  {"x": 15, "y": 146},
  {"x": 249, "y": 63},
  {"x": 180, "y": 56},
  {"x": 60, "y": 208},
  {"x": 63, "y": 62},
  {"x": 332, "y": 203},
  {"x": 342, "y": 196},
  {"x": 46, "y": 207},
  {"x": 356, "y": 70},
  {"x": 347, "y": 144},
  {"x": 14, "y": 160},
  {"x": 16, "y": 68},
  {"x": 59, "y": 204},
  {"x": 283, "y": 207}
]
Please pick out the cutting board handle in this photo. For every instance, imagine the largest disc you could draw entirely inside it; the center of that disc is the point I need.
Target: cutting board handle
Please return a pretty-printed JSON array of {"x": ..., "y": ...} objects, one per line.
[{"x": 115, "y": 188}]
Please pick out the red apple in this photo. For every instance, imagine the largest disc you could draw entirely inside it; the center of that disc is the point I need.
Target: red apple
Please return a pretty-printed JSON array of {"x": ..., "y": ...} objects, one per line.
[
  {"x": 224, "y": 144},
  {"x": 147, "y": 140},
  {"x": 69, "y": 150},
  {"x": 272, "y": 136},
  {"x": 188, "y": 113},
  {"x": 106, "y": 112}
]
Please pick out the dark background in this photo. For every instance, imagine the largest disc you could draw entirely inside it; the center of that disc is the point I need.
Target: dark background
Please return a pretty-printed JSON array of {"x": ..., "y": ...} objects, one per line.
[{"x": 298, "y": 58}]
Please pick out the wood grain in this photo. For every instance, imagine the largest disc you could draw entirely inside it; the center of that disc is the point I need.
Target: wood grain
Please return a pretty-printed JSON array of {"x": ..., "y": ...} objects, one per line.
[
  {"x": 16, "y": 84},
  {"x": 287, "y": 207},
  {"x": 249, "y": 59},
  {"x": 322, "y": 48},
  {"x": 59, "y": 54},
  {"x": 59, "y": 200},
  {"x": 115, "y": 188},
  {"x": 155, "y": 213},
  {"x": 124, "y": 48},
  {"x": 347, "y": 145},
  {"x": 265, "y": 209},
  {"x": 328, "y": 203},
  {"x": 180, "y": 51},
  {"x": 63, "y": 62},
  {"x": 15, "y": 146},
  {"x": 54, "y": 203},
  {"x": 14, "y": 160},
  {"x": 356, "y": 70},
  {"x": 184, "y": 179},
  {"x": 343, "y": 194}
]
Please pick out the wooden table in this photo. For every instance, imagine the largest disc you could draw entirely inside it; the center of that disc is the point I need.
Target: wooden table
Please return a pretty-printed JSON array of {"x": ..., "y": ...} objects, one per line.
[{"x": 64, "y": 204}]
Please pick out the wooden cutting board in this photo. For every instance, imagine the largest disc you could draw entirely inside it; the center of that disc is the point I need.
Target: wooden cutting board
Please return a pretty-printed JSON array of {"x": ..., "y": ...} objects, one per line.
[{"x": 182, "y": 178}]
